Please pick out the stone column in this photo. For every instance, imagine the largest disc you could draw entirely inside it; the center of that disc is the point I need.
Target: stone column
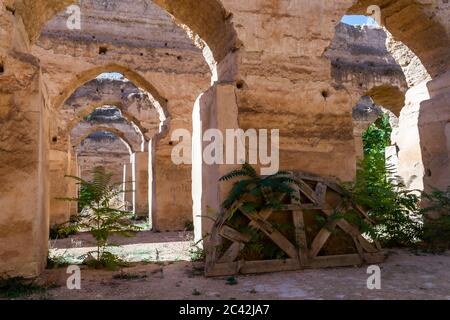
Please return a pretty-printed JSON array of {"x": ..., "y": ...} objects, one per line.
[
  {"x": 128, "y": 185},
  {"x": 408, "y": 140},
  {"x": 59, "y": 163},
  {"x": 73, "y": 185},
  {"x": 216, "y": 108},
  {"x": 141, "y": 184},
  {"x": 24, "y": 149},
  {"x": 434, "y": 118}
]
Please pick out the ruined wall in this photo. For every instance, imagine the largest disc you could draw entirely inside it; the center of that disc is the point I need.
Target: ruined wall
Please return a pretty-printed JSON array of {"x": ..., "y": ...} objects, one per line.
[
  {"x": 272, "y": 67},
  {"x": 103, "y": 149},
  {"x": 163, "y": 61}
]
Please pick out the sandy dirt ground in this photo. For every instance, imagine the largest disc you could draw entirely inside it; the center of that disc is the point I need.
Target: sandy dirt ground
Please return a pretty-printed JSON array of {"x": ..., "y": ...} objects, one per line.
[{"x": 405, "y": 275}]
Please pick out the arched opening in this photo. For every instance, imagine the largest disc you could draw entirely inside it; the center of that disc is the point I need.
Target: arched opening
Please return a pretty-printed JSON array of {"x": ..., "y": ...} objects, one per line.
[{"x": 173, "y": 101}]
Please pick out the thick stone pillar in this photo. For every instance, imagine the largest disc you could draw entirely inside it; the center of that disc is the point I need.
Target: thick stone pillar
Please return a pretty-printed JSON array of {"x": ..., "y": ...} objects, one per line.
[
  {"x": 23, "y": 154},
  {"x": 434, "y": 119},
  {"x": 408, "y": 139},
  {"x": 141, "y": 184},
  {"x": 217, "y": 109}
]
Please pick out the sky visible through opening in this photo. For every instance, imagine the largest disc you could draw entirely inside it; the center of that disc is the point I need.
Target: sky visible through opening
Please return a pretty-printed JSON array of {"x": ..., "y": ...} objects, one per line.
[{"x": 359, "y": 20}]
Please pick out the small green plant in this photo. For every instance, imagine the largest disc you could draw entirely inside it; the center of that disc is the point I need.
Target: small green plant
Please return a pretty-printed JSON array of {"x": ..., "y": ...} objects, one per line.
[
  {"x": 197, "y": 254},
  {"x": 436, "y": 231},
  {"x": 63, "y": 231},
  {"x": 18, "y": 287},
  {"x": 56, "y": 261},
  {"x": 255, "y": 193},
  {"x": 231, "y": 281},
  {"x": 101, "y": 219},
  {"x": 189, "y": 226}
]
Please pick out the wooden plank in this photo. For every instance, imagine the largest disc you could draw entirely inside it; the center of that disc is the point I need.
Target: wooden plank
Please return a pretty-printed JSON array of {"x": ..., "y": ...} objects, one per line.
[
  {"x": 274, "y": 235},
  {"x": 232, "y": 252},
  {"x": 233, "y": 235},
  {"x": 300, "y": 235},
  {"x": 263, "y": 266},
  {"x": 353, "y": 231},
  {"x": 264, "y": 214},
  {"x": 215, "y": 241},
  {"x": 270, "y": 266},
  {"x": 336, "y": 261},
  {"x": 224, "y": 269},
  {"x": 299, "y": 224},
  {"x": 321, "y": 238},
  {"x": 359, "y": 248},
  {"x": 307, "y": 191},
  {"x": 303, "y": 206},
  {"x": 332, "y": 183},
  {"x": 375, "y": 258}
]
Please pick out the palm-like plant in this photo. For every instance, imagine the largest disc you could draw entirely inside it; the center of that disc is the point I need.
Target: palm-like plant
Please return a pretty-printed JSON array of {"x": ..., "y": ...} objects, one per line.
[
  {"x": 256, "y": 193},
  {"x": 102, "y": 219}
]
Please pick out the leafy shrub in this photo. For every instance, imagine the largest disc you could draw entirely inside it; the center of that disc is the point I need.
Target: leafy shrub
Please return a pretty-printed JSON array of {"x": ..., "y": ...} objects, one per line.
[
  {"x": 101, "y": 219},
  {"x": 197, "y": 254},
  {"x": 255, "y": 192},
  {"x": 56, "y": 261},
  {"x": 394, "y": 210},
  {"x": 436, "y": 232},
  {"x": 62, "y": 231}
]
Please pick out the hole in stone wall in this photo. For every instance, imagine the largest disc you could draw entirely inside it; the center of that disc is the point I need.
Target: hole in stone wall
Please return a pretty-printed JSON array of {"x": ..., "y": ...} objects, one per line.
[
  {"x": 11, "y": 9},
  {"x": 55, "y": 139},
  {"x": 240, "y": 84},
  {"x": 428, "y": 173},
  {"x": 102, "y": 50},
  {"x": 325, "y": 94},
  {"x": 2, "y": 68}
]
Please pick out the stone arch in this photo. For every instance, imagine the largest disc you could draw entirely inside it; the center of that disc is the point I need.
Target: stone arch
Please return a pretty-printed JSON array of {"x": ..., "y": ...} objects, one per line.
[
  {"x": 389, "y": 96},
  {"x": 410, "y": 22},
  {"x": 89, "y": 75},
  {"x": 125, "y": 132},
  {"x": 207, "y": 18},
  {"x": 136, "y": 105}
]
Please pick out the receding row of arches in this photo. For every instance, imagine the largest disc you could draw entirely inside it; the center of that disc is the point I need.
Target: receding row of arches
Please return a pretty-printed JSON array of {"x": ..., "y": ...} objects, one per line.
[{"x": 230, "y": 76}]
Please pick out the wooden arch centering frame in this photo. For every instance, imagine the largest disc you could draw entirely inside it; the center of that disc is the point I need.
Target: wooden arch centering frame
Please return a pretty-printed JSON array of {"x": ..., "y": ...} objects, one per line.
[{"x": 302, "y": 254}]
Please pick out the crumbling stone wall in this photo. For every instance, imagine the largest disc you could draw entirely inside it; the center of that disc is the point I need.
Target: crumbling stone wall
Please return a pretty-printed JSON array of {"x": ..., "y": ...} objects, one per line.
[{"x": 271, "y": 72}]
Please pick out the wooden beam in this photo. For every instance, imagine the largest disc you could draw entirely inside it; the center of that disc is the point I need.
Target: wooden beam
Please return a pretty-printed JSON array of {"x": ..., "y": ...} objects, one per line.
[
  {"x": 232, "y": 252},
  {"x": 321, "y": 238},
  {"x": 270, "y": 266},
  {"x": 336, "y": 261},
  {"x": 233, "y": 235},
  {"x": 300, "y": 235},
  {"x": 274, "y": 235}
]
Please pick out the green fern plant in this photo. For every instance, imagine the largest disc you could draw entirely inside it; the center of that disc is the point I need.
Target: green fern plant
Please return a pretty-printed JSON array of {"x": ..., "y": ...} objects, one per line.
[
  {"x": 255, "y": 193},
  {"x": 101, "y": 219},
  {"x": 393, "y": 209}
]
